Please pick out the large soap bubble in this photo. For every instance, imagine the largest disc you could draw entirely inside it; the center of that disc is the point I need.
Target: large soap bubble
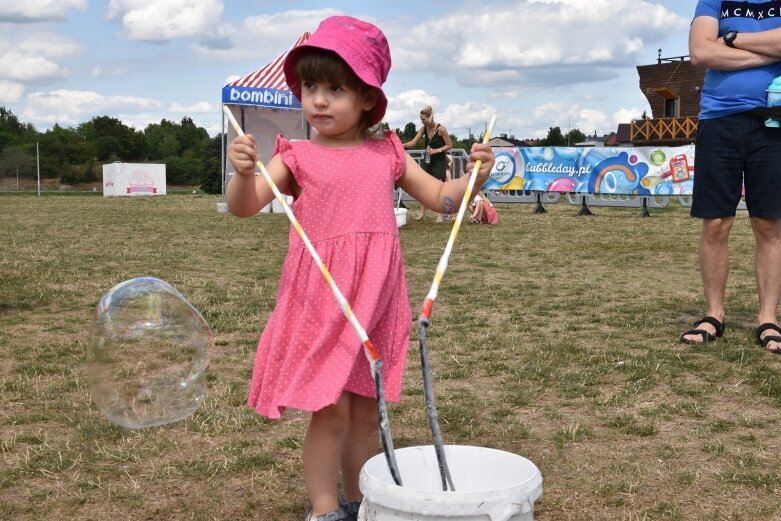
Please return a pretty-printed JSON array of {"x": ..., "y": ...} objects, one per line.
[{"x": 147, "y": 355}]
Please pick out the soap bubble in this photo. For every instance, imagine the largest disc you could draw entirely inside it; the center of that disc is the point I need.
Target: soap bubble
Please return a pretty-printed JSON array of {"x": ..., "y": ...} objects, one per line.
[{"x": 147, "y": 355}]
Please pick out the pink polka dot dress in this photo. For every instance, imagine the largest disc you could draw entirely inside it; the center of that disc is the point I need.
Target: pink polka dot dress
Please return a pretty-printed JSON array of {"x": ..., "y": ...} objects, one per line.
[{"x": 308, "y": 354}]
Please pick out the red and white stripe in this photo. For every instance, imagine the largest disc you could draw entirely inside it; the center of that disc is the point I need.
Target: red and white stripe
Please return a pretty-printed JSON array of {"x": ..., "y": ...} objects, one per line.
[{"x": 270, "y": 76}]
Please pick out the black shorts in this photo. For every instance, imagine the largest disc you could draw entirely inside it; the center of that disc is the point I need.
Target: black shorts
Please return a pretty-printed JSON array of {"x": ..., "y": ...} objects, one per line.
[{"x": 733, "y": 152}]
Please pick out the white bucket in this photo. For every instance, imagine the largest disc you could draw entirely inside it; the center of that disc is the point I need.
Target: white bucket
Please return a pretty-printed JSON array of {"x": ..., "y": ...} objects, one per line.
[
  {"x": 401, "y": 217},
  {"x": 491, "y": 485}
]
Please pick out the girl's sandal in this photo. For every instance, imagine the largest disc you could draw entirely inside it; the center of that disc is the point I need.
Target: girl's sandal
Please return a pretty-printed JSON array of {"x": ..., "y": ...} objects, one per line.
[
  {"x": 339, "y": 515},
  {"x": 350, "y": 508}
]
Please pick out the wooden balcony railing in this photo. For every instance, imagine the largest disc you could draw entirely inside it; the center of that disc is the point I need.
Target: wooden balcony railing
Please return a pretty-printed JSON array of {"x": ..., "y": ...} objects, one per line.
[{"x": 663, "y": 129}]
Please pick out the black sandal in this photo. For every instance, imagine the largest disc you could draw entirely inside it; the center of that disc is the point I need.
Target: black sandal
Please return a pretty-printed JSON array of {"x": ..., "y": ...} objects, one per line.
[
  {"x": 351, "y": 508},
  {"x": 764, "y": 341},
  {"x": 704, "y": 334}
]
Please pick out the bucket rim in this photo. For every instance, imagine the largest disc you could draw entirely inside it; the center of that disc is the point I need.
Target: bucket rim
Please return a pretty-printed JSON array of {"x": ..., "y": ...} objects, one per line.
[{"x": 389, "y": 494}]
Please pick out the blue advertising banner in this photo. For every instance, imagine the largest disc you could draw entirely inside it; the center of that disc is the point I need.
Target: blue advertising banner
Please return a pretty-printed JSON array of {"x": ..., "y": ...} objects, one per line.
[
  {"x": 282, "y": 99},
  {"x": 622, "y": 171}
]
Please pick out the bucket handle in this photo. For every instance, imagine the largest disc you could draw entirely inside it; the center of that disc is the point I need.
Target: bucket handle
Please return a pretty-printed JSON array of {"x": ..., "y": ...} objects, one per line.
[{"x": 511, "y": 510}]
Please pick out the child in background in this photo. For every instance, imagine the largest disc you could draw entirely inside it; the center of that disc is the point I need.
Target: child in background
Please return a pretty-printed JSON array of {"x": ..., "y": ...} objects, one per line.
[
  {"x": 308, "y": 356},
  {"x": 483, "y": 210}
]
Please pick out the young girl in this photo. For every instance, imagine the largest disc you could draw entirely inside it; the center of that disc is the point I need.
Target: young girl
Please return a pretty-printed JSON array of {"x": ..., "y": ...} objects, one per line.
[
  {"x": 483, "y": 210},
  {"x": 309, "y": 357}
]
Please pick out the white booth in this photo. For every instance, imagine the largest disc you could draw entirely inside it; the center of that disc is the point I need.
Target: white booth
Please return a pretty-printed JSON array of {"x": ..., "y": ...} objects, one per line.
[{"x": 130, "y": 179}]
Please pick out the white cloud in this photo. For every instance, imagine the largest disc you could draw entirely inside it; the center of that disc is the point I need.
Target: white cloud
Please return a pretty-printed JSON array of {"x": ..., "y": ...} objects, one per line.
[
  {"x": 590, "y": 120},
  {"x": 110, "y": 71},
  {"x": 634, "y": 46},
  {"x": 261, "y": 37},
  {"x": 552, "y": 111},
  {"x": 197, "y": 108},
  {"x": 457, "y": 118},
  {"x": 470, "y": 115},
  {"x": 163, "y": 21},
  {"x": 15, "y": 65},
  {"x": 626, "y": 115},
  {"x": 38, "y": 10},
  {"x": 52, "y": 45},
  {"x": 34, "y": 57},
  {"x": 563, "y": 115},
  {"x": 542, "y": 42},
  {"x": 522, "y": 53},
  {"x": 213, "y": 130},
  {"x": 139, "y": 121},
  {"x": 590, "y": 97},
  {"x": 10, "y": 92},
  {"x": 71, "y": 107},
  {"x": 406, "y": 107}
]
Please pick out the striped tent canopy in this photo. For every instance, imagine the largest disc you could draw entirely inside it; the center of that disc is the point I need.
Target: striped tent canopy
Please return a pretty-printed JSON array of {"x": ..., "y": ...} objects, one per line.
[{"x": 264, "y": 87}]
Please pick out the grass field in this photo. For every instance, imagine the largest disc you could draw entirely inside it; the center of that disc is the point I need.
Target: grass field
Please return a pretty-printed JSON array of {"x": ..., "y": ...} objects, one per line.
[{"x": 554, "y": 337}]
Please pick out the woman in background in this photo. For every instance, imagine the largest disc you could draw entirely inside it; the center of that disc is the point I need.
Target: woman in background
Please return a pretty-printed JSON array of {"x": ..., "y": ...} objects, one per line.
[{"x": 437, "y": 142}]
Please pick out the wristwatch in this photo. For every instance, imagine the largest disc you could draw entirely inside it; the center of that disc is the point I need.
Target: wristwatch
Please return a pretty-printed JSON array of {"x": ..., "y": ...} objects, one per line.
[{"x": 729, "y": 38}]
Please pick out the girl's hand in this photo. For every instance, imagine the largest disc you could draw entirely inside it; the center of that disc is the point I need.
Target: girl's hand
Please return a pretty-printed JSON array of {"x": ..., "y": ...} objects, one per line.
[
  {"x": 480, "y": 152},
  {"x": 430, "y": 151},
  {"x": 242, "y": 155}
]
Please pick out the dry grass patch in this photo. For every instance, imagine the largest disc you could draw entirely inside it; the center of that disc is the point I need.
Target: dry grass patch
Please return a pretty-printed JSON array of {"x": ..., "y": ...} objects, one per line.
[{"x": 554, "y": 337}]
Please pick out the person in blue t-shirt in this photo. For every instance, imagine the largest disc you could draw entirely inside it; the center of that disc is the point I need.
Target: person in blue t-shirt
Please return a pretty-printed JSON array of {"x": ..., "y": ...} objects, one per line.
[{"x": 739, "y": 43}]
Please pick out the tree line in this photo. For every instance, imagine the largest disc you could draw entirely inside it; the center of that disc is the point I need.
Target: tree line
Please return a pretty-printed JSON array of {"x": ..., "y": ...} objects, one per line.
[
  {"x": 192, "y": 157},
  {"x": 76, "y": 155},
  {"x": 554, "y": 138}
]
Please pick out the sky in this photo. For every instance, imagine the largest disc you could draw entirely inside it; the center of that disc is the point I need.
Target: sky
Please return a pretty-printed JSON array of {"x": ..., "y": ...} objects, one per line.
[{"x": 535, "y": 64}]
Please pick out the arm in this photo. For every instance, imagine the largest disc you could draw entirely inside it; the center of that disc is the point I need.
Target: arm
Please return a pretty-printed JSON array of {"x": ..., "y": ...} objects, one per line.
[
  {"x": 247, "y": 194},
  {"x": 707, "y": 50},
  {"x": 763, "y": 42},
  {"x": 480, "y": 210},
  {"x": 412, "y": 142},
  {"x": 474, "y": 209},
  {"x": 444, "y": 197}
]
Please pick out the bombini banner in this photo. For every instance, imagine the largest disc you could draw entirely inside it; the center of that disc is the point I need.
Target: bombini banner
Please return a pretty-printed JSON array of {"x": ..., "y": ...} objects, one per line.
[{"x": 263, "y": 97}]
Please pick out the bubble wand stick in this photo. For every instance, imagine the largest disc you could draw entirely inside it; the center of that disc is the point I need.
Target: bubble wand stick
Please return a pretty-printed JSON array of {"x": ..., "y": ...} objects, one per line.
[
  {"x": 425, "y": 318},
  {"x": 375, "y": 360}
]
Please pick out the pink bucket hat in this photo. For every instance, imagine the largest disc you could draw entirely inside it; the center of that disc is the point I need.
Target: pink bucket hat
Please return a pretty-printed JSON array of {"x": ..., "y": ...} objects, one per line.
[{"x": 360, "y": 44}]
